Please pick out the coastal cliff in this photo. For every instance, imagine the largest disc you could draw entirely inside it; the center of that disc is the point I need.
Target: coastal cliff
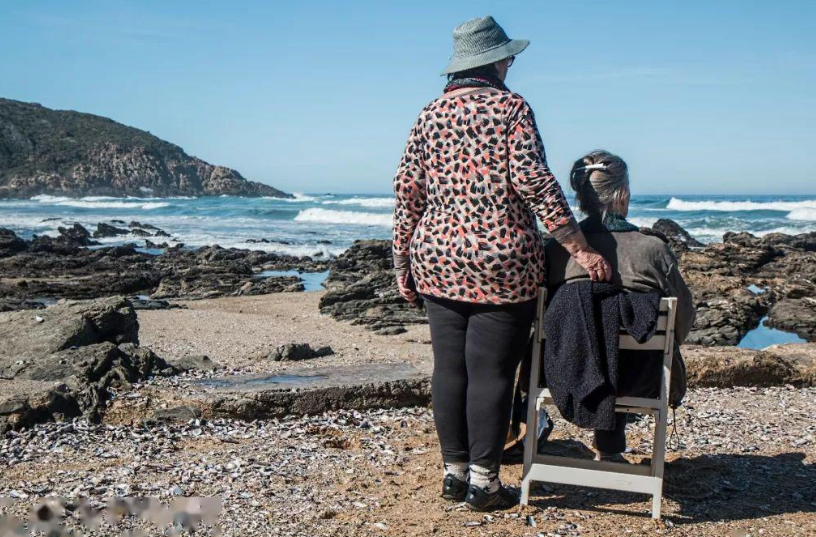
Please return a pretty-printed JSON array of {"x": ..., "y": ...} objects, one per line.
[{"x": 67, "y": 153}]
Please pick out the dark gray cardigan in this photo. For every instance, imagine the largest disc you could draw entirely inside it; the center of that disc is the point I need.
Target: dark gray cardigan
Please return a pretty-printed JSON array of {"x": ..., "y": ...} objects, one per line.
[{"x": 582, "y": 324}]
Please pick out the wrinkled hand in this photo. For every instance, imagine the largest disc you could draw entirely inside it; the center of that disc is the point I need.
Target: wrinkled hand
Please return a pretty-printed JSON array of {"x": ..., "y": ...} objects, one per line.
[
  {"x": 406, "y": 288},
  {"x": 594, "y": 263}
]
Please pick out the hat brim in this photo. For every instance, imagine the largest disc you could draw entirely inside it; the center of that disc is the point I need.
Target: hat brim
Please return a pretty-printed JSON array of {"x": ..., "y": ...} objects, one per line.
[{"x": 496, "y": 54}]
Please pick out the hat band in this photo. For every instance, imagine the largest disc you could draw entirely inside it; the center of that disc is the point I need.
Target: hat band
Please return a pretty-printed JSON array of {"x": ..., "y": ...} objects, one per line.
[{"x": 479, "y": 53}]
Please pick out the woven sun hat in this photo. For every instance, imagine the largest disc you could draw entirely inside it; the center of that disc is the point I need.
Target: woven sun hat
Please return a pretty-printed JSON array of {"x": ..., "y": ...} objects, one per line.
[{"x": 481, "y": 41}]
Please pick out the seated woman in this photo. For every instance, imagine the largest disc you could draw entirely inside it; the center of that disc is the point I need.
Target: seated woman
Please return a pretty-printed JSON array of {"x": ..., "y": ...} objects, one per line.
[{"x": 640, "y": 262}]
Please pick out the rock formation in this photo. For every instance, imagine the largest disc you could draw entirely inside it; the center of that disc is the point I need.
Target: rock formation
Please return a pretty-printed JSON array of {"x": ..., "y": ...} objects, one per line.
[
  {"x": 66, "y": 153},
  {"x": 61, "y": 361},
  {"x": 293, "y": 352},
  {"x": 679, "y": 239},
  {"x": 62, "y": 267},
  {"x": 362, "y": 287}
]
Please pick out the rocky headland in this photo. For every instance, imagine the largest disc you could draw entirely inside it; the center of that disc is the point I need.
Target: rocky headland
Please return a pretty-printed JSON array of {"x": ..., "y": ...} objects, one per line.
[{"x": 67, "y": 153}]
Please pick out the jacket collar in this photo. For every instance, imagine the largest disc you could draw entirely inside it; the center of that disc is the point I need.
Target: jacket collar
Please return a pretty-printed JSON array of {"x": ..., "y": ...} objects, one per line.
[{"x": 611, "y": 222}]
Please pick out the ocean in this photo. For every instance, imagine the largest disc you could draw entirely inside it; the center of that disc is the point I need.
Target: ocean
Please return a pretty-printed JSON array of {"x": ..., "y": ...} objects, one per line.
[{"x": 326, "y": 224}]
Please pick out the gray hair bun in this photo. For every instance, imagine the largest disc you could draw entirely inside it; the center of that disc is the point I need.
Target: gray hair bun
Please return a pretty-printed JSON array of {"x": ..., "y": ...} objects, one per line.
[{"x": 599, "y": 179}]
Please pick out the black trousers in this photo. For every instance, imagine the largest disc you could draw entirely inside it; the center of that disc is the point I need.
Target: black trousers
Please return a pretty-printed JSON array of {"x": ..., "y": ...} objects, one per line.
[
  {"x": 639, "y": 374},
  {"x": 477, "y": 348}
]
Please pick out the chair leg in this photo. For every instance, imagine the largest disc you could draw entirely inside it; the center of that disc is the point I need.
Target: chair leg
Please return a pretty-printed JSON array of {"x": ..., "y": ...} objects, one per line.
[
  {"x": 525, "y": 491},
  {"x": 656, "y": 500},
  {"x": 659, "y": 458}
]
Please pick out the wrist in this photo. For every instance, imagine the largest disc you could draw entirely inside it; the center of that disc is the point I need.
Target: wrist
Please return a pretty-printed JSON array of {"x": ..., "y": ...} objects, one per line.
[{"x": 571, "y": 237}]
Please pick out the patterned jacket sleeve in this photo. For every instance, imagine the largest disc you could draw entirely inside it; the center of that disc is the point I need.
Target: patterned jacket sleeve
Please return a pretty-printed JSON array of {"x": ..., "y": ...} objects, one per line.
[
  {"x": 409, "y": 191},
  {"x": 529, "y": 173}
]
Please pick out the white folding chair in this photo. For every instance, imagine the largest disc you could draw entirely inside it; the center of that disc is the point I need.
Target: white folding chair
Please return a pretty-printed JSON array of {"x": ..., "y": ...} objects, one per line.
[{"x": 647, "y": 479}]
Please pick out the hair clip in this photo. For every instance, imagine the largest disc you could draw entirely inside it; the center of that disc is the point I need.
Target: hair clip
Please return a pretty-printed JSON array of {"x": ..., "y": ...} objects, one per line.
[{"x": 594, "y": 167}]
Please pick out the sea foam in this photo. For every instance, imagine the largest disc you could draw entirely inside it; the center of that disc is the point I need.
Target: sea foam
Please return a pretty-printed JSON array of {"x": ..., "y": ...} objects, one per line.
[
  {"x": 102, "y": 202},
  {"x": 676, "y": 204},
  {"x": 805, "y": 213},
  {"x": 298, "y": 198},
  {"x": 328, "y": 216},
  {"x": 363, "y": 202}
]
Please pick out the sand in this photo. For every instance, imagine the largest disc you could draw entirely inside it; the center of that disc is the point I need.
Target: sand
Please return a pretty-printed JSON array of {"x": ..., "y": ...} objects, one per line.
[{"x": 241, "y": 332}]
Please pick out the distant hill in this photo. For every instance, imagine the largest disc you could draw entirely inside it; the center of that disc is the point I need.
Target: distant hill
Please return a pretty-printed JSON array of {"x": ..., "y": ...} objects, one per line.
[{"x": 66, "y": 153}]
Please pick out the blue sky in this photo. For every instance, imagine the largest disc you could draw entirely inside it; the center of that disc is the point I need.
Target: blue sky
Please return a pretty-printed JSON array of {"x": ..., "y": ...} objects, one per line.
[{"x": 699, "y": 97}]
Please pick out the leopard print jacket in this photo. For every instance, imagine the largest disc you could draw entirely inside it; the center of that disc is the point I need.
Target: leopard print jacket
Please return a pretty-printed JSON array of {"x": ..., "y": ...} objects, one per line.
[{"x": 468, "y": 188}]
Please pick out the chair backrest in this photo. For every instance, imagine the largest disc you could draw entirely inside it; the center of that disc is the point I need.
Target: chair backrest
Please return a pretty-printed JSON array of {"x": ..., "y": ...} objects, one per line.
[{"x": 663, "y": 338}]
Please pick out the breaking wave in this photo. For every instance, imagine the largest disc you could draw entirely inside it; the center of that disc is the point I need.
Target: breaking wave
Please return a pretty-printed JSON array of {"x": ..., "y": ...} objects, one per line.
[
  {"x": 102, "y": 202},
  {"x": 676, "y": 204},
  {"x": 328, "y": 216},
  {"x": 364, "y": 202},
  {"x": 805, "y": 213},
  {"x": 298, "y": 198}
]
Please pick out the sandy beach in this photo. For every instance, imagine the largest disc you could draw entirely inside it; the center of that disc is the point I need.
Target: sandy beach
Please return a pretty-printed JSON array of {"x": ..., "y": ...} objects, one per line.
[
  {"x": 241, "y": 332},
  {"x": 377, "y": 472}
]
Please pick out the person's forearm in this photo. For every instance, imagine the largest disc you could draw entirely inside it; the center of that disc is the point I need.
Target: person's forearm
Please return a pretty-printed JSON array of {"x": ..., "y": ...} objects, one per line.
[
  {"x": 402, "y": 263},
  {"x": 570, "y": 237}
]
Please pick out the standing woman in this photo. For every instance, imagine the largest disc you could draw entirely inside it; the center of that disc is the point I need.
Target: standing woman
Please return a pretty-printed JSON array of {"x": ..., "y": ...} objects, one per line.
[{"x": 468, "y": 189}]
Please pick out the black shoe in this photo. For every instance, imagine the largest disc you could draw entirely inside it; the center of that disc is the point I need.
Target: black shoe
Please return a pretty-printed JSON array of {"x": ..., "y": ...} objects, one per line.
[
  {"x": 454, "y": 489},
  {"x": 480, "y": 500}
]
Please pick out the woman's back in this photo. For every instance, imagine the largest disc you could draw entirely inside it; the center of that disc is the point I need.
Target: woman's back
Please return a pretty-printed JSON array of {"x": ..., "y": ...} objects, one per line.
[
  {"x": 479, "y": 162},
  {"x": 640, "y": 262}
]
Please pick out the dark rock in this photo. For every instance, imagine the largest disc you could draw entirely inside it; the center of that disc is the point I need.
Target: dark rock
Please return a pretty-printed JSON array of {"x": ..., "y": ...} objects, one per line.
[
  {"x": 17, "y": 304},
  {"x": 76, "y": 235},
  {"x": 792, "y": 275},
  {"x": 199, "y": 284},
  {"x": 678, "y": 238},
  {"x": 362, "y": 288},
  {"x": 805, "y": 242},
  {"x": 107, "y": 230},
  {"x": 146, "y": 230},
  {"x": 69, "y": 241},
  {"x": 151, "y": 244},
  {"x": 796, "y": 315},
  {"x": 298, "y": 351},
  {"x": 195, "y": 362},
  {"x": 10, "y": 243},
  {"x": 62, "y": 361},
  {"x": 68, "y": 153},
  {"x": 50, "y": 267},
  {"x": 29, "y": 337},
  {"x": 152, "y": 304},
  {"x": 390, "y": 331},
  {"x": 26, "y": 403}
]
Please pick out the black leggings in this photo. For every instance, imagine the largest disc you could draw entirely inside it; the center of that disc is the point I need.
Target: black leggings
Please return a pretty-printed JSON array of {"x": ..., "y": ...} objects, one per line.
[{"x": 477, "y": 348}]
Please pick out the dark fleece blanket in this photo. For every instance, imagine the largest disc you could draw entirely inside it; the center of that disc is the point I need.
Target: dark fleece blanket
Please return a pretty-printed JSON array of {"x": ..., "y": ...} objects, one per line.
[{"x": 582, "y": 326}]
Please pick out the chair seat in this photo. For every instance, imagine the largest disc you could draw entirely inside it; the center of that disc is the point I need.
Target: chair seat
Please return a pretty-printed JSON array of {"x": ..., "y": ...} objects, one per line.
[{"x": 629, "y": 405}]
